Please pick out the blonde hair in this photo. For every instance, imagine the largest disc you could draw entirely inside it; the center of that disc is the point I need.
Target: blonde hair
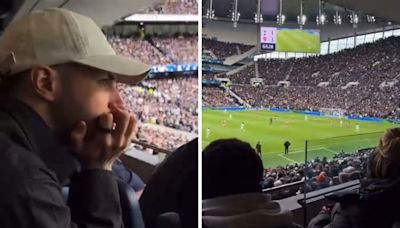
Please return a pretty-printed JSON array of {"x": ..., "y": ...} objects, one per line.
[{"x": 385, "y": 160}]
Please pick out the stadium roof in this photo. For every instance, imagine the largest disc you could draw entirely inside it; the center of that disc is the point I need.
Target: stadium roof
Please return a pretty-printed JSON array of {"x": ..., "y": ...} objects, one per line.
[
  {"x": 103, "y": 12},
  {"x": 388, "y": 9},
  {"x": 291, "y": 9}
]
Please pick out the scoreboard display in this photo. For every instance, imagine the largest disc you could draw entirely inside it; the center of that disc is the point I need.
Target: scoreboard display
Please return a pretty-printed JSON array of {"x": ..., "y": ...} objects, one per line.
[
  {"x": 290, "y": 40},
  {"x": 268, "y": 38}
]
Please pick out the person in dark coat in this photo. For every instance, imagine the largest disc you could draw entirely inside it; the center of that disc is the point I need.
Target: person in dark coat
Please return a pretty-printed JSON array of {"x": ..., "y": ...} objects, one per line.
[
  {"x": 128, "y": 176},
  {"x": 286, "y": 145},
  {"x": 242, "y": 204},
  {"x": 258, "y": 149},
  {"x": 375, "y": 203},
  {"x": 62, "y": 121},
  {"x": 173, "y": 188}
]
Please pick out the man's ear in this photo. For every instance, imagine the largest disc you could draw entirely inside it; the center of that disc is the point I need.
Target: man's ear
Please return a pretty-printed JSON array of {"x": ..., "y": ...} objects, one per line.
[{"x": 45, "y": 82}]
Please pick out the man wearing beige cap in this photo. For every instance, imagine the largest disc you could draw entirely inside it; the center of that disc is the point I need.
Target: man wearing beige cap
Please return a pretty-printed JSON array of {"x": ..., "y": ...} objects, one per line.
[{"x": 61, "y": 118}]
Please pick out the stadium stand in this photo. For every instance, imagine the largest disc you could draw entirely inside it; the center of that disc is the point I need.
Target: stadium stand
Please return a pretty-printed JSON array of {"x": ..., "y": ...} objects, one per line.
[
  {"x": 173, "y": 7},
  {"x": 167, "y": 101},
  {"x": 217, "y": 97},
  {"x": 224, "y": 49},
  {"x": 208, "y": 76},
  {"x": 371, "y": 66},
  {"x": 180, "y": 50},
  {"x": 321, "y": 173}
]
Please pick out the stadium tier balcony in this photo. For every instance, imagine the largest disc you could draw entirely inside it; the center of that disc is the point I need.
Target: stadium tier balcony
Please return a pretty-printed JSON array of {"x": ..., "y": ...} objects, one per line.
[{"x": 224, "y": 49}]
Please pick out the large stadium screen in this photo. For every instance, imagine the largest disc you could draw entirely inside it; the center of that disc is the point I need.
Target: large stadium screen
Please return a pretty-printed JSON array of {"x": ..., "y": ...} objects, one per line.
[{"x": 290, "y": 40}]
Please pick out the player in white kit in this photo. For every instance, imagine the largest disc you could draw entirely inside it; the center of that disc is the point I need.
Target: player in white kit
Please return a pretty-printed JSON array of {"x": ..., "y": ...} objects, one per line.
[{"x": 208, "y": 132}]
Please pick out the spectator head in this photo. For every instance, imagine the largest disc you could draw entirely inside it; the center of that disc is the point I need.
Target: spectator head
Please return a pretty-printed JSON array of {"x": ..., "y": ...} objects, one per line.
[
  {"x": 321, "y": 178},
  {"x": 385, "y": 160},
  {"x": 62, "y": 82},
  {"x": 230, "y": 166}
]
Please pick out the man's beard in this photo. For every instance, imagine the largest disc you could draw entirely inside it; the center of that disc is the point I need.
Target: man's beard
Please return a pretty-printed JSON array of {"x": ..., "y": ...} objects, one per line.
[{"x": 66, "y": 115}]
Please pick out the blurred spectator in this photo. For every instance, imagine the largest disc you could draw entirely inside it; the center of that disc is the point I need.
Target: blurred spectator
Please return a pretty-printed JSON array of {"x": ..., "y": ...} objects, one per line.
[
  {"x": 173, "y": 188},
  {"x": 232, "y": 195}
]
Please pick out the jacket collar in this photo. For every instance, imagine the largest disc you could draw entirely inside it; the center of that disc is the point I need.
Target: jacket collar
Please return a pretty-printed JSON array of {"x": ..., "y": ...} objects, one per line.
[{"x": 33, "y": 134}]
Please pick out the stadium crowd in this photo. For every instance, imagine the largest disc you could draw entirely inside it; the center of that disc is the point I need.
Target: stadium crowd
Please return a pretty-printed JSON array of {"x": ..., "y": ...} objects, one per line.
[
  {"x": 224, "y": 49},
  {"x": 370, "y": 101},
  {"x": 173, "y": 7},
  {"x": 158, "y": 51},
  {"x": 170, "y": 102},
  {"x": 209, "y": 76},
  {"x": 165, "y": 139},
  {"x": 320, "y": 173},
  {"x": 180, "y": 50},
  {"x": 216, "y": 97},
  {"x": 370, "y": 65}
]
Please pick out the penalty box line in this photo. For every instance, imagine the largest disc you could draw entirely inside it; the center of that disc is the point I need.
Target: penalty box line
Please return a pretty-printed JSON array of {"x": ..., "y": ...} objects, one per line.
[
  {"x": 318, "y": 148},
  {"x": 291, "y": 160}
]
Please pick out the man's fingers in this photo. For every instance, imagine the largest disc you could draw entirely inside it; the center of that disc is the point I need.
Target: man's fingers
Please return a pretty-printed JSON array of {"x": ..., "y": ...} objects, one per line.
[
  {"x": 121, "y": 119},
  {"x": 106, "y": 122},
  {"x": 78, "y": 134},
  {"x": 130, "y": 131}
]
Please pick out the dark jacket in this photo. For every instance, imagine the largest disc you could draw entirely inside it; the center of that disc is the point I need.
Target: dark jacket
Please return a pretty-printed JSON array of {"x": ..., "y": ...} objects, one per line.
[
  {"x": 128, "y": 176},
  {"x": 166, "y": 189},
  {"x": 374, "y": 205},
  {"x": 33, "y": 164}
]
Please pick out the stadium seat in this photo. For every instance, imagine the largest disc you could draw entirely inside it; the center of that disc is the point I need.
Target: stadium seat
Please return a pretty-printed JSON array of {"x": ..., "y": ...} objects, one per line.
[
  {"x": 168, "y": 220},
  {"x": 131, "y": 213}
]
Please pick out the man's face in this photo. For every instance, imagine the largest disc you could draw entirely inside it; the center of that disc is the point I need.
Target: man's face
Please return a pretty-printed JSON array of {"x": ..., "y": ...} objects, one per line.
[{"x": 84, "y": 94}]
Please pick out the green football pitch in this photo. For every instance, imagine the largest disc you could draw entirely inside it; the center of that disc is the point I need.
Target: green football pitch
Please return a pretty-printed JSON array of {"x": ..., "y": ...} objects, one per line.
[
  {"x": 325, "y": 136},
  {"x": 297, "y": 41}
]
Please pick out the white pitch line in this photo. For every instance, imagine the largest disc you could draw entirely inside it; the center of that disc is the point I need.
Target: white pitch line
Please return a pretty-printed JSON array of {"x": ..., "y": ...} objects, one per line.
[
  {"x": 287, "y": 158},
  {"x": 332, "y": 151},
  {"x": 302, "y": 151}
]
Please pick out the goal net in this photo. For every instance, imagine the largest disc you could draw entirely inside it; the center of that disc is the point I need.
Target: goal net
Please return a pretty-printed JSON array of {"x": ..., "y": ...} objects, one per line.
[{"x": 333, "y": 112}]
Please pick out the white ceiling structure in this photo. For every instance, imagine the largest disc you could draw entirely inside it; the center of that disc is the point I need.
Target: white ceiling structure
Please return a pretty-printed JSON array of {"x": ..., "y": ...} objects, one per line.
[
  {"x": 387, "y": 9},
  {"x": 103, "y": 12}
]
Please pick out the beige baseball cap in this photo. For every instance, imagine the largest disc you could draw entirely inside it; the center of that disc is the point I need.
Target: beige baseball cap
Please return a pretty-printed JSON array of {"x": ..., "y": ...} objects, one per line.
[{"x": 57, "y": 36}]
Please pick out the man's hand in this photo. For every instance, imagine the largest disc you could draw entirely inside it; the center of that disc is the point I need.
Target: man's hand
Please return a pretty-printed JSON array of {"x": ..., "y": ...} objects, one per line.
[{"x": 102, "y": 144}]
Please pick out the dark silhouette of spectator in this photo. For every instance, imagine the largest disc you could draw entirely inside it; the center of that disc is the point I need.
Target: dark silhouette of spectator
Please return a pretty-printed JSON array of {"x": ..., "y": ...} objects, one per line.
[
  {"x": 172, "y": 188},
  {"x": 258, "y": 149},
  {"x": 232, "y": 197}
]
